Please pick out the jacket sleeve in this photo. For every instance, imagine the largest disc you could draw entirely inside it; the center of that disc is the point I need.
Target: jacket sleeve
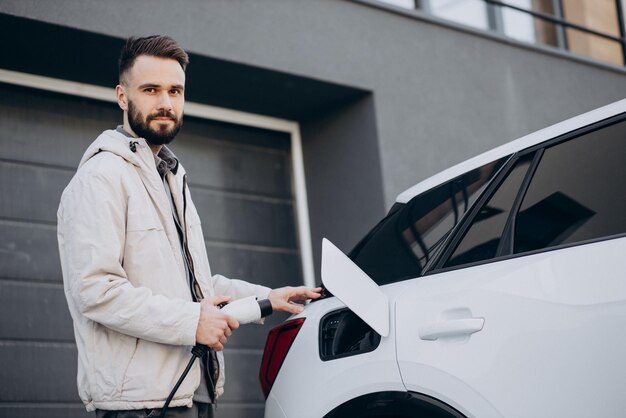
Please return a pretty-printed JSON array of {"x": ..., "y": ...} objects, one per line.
[
  {"x": 237, "y": 289},
  {"x": 91, "y": 231}
]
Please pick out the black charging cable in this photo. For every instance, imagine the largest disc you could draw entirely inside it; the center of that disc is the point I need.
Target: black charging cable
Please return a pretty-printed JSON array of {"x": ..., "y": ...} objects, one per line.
[{"x": 199, "y": 350}]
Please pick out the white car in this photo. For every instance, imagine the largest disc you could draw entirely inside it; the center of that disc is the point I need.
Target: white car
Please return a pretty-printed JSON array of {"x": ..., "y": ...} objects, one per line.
[{"x": 496, "y": 288}]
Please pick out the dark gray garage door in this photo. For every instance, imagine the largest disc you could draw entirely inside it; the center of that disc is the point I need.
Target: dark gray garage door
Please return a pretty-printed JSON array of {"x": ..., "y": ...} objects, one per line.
[{"x": 240, "y": 181}]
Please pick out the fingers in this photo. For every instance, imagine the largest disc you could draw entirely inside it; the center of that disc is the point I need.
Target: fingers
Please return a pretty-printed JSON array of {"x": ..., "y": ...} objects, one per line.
[
  {"x": 290, "y": 307},
  {"x": 313, "y": 293},
  {"x": 218, "y": 335},
  {"x": 231, "y": 322},
  {"x": 217, "y": 299},
  {"x": 214, "y": 326},
  {"x": 303, "y": 293}
]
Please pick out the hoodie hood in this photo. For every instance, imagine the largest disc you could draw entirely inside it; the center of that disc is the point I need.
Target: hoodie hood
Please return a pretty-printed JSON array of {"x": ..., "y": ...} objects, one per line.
[{"x": 119, "y": 144}]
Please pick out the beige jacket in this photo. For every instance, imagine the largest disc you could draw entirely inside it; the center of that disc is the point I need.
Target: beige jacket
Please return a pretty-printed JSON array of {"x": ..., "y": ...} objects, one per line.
[{"x": 125, "y": 279}]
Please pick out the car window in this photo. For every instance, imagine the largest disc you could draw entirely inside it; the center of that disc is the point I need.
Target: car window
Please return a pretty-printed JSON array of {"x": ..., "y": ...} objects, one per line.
[
  {"x": 577, "y": 192},
  {"x": 399, "y": 247},
  {"x": 482, "y": 239}
]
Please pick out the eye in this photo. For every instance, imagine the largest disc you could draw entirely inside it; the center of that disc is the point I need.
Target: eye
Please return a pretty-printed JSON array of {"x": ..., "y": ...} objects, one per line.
[
  {"x": 149, "y": 90},
  {"x": 175, "y": 92}
]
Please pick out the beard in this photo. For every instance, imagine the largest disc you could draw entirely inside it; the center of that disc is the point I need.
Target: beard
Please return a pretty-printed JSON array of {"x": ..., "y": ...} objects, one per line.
[{"x": 141, "y": 125}]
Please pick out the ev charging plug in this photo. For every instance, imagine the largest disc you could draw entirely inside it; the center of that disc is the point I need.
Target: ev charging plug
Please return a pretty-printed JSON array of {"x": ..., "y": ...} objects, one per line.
[{"x": 245, "y": 310}]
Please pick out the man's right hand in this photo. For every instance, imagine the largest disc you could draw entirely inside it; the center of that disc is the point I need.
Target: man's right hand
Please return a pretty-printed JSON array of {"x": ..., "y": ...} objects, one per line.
[{"x": 214, "y": 327}]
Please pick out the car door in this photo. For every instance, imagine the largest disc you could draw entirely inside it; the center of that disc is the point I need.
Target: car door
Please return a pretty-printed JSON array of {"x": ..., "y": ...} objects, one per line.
[{"x": 525, "y": 312}]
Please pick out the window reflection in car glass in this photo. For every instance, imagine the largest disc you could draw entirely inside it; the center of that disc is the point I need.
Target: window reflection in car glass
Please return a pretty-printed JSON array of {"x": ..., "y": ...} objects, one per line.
[
  {"x": 577, "y": 192},
  {"x": 400, "y": 245},
  {"x": 482, "y": 239}
]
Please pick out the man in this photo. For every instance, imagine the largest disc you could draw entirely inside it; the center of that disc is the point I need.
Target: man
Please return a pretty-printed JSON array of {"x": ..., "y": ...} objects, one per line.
[{"x": 135, "y": 269}]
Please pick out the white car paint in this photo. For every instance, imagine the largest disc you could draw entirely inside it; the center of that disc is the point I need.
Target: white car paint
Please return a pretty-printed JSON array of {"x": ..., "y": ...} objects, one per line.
[
  {"x": 552, "y": 339},
  {"x": 309, "y": 387}
]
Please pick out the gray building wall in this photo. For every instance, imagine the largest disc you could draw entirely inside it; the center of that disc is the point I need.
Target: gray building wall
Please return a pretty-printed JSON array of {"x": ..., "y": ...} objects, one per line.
[{"x": 441, "y": 94}]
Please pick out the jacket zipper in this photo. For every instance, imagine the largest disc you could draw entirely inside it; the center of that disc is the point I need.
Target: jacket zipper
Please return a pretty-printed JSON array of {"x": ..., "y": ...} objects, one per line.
[{"x": 196, "y": 291}]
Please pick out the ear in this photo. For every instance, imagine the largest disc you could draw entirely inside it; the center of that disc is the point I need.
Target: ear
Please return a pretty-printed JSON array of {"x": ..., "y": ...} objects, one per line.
[{"x": 122, "y": 99}]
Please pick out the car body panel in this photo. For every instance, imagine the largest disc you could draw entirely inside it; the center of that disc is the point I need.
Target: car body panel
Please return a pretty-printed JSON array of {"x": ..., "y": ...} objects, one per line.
[
  {"x": 324, "y": 385},
  {"x": 553, "y": 334}
]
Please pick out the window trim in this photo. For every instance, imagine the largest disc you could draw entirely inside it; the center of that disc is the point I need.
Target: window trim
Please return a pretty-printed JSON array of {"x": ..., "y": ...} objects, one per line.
[
  {"x": 506, "y": 242},
  {"x": 529, "y": 253},
  {"x": 458, "y": 233},
  {"x": 442, "y": 247}
]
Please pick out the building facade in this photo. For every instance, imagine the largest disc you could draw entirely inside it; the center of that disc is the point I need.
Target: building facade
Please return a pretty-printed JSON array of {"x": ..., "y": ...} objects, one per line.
[{"x": 304, "y": 120}]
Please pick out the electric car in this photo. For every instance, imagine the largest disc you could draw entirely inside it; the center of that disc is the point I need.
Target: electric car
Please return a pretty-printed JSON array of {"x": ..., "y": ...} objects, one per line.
[{"x": 496, "y": 288}]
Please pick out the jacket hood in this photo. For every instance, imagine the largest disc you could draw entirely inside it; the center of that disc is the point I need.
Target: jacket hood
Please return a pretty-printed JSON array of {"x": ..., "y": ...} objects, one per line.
[{"x": 117, "y": 143}]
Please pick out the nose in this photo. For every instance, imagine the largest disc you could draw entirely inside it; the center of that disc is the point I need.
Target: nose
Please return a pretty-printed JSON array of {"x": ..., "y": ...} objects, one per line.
[{"x": 165, "y": 102}]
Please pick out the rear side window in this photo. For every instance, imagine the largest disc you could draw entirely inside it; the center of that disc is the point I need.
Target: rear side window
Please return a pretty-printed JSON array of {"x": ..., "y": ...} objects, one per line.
[
  {"x": 399, "y": 247},
  {"x": 483, "y": 238},
  {"x": 577, "y": 193}
]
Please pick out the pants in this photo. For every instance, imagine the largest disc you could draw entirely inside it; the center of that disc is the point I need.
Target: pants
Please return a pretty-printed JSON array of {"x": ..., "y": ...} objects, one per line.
[{"x": 198, "y": 410}]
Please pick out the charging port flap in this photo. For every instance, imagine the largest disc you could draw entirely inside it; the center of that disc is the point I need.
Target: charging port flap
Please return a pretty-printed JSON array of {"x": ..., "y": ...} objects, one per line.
[{"x": 352, "y": 286}]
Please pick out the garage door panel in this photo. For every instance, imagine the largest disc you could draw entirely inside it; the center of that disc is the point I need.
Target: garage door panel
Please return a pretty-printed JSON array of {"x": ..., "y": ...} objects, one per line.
[
  {"x": 242, "y": 377},
  {"x": 29, "y": 251},
  {"x": 45, "y": 129},
  {"x": 272, "y": 269},
  {"x": 47, "y": 316},
  {"x": 46, "y": 410},
  {"x": 240, "y": 411},
  {"x": 234, "y": 134},
  {"x": 40, "y": 372},
  {"x": 216, "y": 165},
  {"x": 35, "y": 191},
  {"x": 232, "y": 218}
]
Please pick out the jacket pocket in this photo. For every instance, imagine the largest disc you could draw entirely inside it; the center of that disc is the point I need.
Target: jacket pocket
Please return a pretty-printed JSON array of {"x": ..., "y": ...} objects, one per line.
[
  {"x": 112, "y": 355},
  {"x": 130, "y": 360}
]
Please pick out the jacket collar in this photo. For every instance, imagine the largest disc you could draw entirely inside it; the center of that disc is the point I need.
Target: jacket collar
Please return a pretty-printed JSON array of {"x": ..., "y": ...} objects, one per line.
[
  {"x": 119, "y": 144},
  {"x": 134, "y": 150}
]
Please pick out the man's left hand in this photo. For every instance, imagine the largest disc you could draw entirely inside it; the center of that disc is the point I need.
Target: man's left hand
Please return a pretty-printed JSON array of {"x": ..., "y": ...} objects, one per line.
[{"x": 282, "y": 299}]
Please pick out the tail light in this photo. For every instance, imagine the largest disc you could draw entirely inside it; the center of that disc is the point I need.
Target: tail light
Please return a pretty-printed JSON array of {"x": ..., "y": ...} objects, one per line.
[{"x": 277, "y": 346}]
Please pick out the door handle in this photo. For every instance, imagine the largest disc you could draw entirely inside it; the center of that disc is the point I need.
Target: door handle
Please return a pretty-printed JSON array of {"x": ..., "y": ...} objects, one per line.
[{"x": 451, "y": 328}]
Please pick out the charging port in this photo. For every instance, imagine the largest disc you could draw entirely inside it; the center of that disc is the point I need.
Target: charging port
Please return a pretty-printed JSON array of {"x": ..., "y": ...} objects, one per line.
[{"x": 343, "y": 334}]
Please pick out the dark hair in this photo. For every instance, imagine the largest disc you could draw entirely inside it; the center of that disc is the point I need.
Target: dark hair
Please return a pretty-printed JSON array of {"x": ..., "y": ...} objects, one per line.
[{"x": 156, "y": 45}]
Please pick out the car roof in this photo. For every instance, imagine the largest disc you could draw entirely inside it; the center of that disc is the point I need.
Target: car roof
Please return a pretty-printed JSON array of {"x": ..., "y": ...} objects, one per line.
[{"x": 509, "y": 148}]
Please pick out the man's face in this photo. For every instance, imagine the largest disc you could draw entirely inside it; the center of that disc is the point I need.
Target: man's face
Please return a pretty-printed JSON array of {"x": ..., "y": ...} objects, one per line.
[{"x": 153, "y": 98}]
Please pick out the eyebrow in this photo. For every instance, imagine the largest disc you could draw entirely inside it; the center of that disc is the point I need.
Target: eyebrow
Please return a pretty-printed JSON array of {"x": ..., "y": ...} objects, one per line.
[{"x": 153, "y": 85}]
